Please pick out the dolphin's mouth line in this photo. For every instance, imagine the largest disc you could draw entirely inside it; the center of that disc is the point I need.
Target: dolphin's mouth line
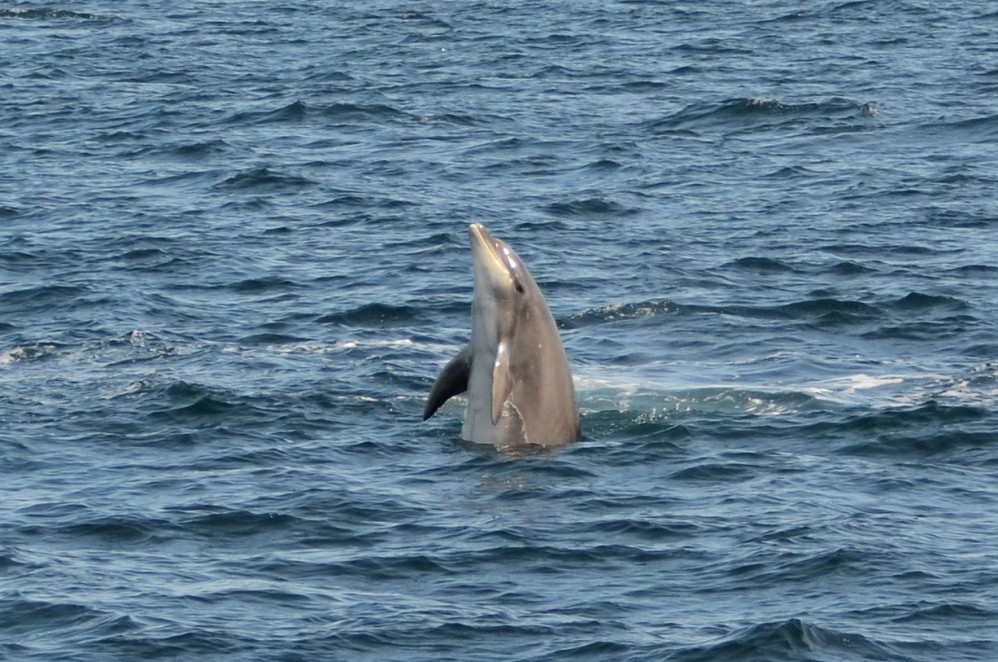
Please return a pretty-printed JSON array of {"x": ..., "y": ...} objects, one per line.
[{"x": 500, "y": 254}]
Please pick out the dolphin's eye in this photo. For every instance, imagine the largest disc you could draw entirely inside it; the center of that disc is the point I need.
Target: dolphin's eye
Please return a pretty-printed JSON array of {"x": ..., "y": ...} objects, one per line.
[{"x": 518, "y": 285}]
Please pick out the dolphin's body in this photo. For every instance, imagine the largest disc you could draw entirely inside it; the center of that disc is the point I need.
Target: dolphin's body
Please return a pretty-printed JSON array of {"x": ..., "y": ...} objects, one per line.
[{"x": 514, "y": 369}]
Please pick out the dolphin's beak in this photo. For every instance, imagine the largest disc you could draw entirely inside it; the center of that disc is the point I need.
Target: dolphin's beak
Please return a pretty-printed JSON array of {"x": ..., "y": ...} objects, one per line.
[
  {"x": 487, "y": 252},
  {"x": 492, "y": 254},
  {"x": 479, "y": 236}
]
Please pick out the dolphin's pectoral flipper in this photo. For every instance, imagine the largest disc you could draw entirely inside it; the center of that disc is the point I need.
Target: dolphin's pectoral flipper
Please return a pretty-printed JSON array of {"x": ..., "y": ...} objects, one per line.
[
  {"x": 452, "y": 380},
  {"x": 502, "y": 382}
]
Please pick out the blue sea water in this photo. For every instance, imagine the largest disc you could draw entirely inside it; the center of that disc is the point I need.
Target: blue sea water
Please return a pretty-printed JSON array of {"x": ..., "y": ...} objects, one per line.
[{"x": 233, "y": 257}]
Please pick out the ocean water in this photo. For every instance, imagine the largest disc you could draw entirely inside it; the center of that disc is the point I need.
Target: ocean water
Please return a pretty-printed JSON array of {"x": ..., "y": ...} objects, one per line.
[{"x": 233, "y": 257}]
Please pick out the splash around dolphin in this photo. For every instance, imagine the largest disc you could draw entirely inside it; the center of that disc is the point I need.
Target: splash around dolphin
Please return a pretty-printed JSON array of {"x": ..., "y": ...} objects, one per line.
[{"x": 514, "y": 369}]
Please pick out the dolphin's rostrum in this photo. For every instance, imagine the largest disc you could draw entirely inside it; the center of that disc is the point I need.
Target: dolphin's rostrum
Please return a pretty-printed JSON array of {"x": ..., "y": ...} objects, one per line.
[{"x": 514, "y": 369}]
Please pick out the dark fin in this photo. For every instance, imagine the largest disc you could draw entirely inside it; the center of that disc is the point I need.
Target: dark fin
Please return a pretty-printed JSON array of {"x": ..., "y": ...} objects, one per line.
[{"x": 452, "y": 380}]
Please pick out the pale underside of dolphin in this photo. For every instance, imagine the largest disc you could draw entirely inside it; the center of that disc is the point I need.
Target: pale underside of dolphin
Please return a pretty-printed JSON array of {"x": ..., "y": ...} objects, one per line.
[{"x": 514, "y": 369}]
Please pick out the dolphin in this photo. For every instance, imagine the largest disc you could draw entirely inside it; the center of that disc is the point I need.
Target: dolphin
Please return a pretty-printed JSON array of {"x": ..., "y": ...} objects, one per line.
[{"x": 514, "y": 369}]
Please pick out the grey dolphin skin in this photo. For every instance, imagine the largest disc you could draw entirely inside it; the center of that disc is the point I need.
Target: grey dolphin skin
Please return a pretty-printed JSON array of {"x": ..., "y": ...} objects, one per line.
[{"x": 515, "y": 371}]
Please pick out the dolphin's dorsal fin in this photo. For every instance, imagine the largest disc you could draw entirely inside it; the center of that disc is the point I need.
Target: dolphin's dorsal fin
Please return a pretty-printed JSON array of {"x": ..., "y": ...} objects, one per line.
[
  {"x": 502, "y": 381},
  {"x": 452, "y": 380}
]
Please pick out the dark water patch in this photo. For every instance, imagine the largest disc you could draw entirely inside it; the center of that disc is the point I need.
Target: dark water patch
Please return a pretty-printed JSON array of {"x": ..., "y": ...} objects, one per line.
[
  {"x": 791, "y": 641},
  {"x": 337, "y": 113},
  {"x": 21, "y": 261},
  {"x": 639, "y": 432},
  {"x": 152, "y": 646},
  {"x": 268, "y": 339},
  {"x": 293, "y": 112},
  {"x": 713, "y": 47},
  {"x": 22, "y": 617},
  {"x": 604, "y": 165},
  {"x": 191, "y": 403},
  {"x": 204, "y": 409},
  {"x": 11, "y": 559},
  {"x": 539, "y": 226},
  {"x": 113, "y": 530},
  {"x": 555, "y": 560},
  {"x": 43, "y": 297},
  {"x": 199, "y": 151},
  {"x": 642, "y": 530},
  {"x": 796, "y": 568},
  {"x": 975, "y": 270},
  {"x": 376, "y": 315},
  {"x": 237, "y": 523},
  {"x": 877, "y": 252},
  {"x": 716, "y": 472},
  {"x": 760, "y": 265},
  {"x": 263, "y": 285},
  {"x": 958, "y": 613},
  {"x": 987, "y": 350},
  {"x": 756, "y": 113},
  {"x": 49, "y": 14},
  {"x": 382, "y": 568},
  {"x": 978, "y": 129},
  {"x": 952, "y": 326},
  {"x": 143, "y": 255},
  {"x": 456, "y": 119},
  {"x": 686, "y": 70},
  {"x": 917, "y": 301},
  {"x": 921, "y": 444},
  {"x": 191, "y": 179},
  {"x": 534, "y": 165},
  {"x": 264, "y": 180},
  {"x": 789, "y": 173},
  {"x": 346, "y": 200},
  {"x": 974, "y": 220},
  {"x": 930, "y": 413},
  {"x": 593, "y": 650},
  {"x": 14, "y": 651},
  {"x": 153, "y": 260},
  {"x": 356, "y": 200},
  {"x": 441, "y": 243},
  {"x": 848, "y": 268},
  {"x": 829, "y": 312},
  {"x": 589, "y": 207},
  {"x": 929, "y": 429}
]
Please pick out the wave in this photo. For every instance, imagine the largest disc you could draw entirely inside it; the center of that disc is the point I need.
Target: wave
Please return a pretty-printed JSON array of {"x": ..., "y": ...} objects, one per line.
[
  {"x": 264, "y": 179},
  {"x": 114, "y": 530},
  {"x": 336, "y": 113},
  {"x": 589, "y": 207},
  {"x": 821, "y": 311},
  {"x": 193, "y": 405},
  {"x": 981, "y": 129},
  {"x": 927, "y": 429},
  {"x": 755, "y": 113},
  {"x": 790, "y": 640},
  {"x": 43, "y": 297},
  {"x": 760, "y": 265},
  {"x": 43, "y": 14},
  {"x": 264, "y": 285}
]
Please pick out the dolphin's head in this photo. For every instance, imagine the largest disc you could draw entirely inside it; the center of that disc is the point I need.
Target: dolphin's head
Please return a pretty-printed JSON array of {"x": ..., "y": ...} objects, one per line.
[{"x": 500, "y": 274}]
